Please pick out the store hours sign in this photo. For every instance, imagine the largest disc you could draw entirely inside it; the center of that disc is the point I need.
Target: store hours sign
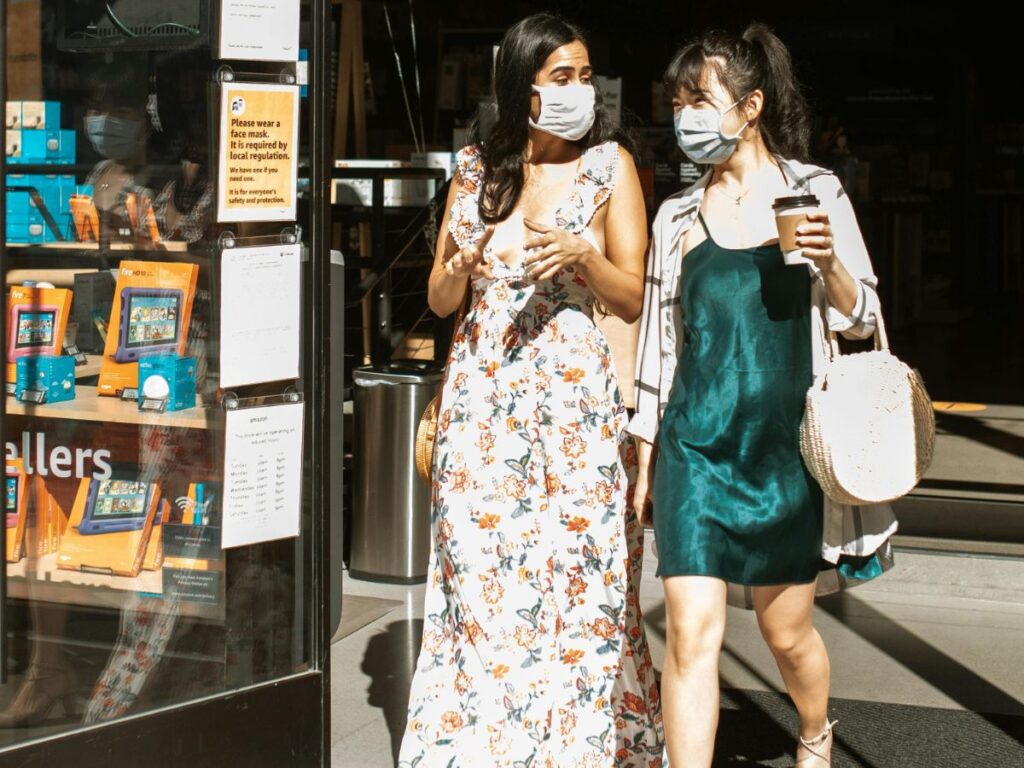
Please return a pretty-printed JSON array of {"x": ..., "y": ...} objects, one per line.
[{"x": 259, "y": 131}]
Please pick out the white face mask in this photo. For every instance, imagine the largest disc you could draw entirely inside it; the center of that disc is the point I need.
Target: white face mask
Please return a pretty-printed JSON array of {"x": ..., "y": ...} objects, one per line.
[
  {"x": 566, "y": 111},
  {"x": 699, "y": 134}
]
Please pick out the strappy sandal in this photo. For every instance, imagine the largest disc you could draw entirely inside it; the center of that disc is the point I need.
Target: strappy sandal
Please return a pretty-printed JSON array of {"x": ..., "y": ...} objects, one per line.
[{"x": 817, "y": 752}]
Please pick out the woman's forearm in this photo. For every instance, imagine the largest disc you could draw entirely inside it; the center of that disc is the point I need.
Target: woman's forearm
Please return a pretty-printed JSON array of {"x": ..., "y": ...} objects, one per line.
[
  {"x": 645, "y": 453},
  {"x": 445, "y": 292},
  {"x": 619, "y": 291},
  {"x": 840, "y": 287}
]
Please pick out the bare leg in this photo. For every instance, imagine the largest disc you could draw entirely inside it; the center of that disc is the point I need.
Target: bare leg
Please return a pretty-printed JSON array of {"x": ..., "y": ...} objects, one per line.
[
  {"x": 48, "y": 621},
  {"x": 49, "y": 679},
  {"x": 784, "y": 614},
  {"x": 695, "y": 617}
]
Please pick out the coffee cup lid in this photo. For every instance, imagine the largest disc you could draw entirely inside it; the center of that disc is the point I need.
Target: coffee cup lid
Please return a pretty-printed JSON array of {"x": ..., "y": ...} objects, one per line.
[{"x": 799, "y": 201}]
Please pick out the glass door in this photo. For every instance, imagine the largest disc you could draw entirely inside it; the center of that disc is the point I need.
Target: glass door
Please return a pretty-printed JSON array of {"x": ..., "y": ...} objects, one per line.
[{"x": 165, "y": 382}]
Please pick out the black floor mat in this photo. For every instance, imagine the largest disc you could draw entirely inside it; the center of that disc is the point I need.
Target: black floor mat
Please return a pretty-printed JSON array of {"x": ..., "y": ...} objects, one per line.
[{"x": 758, "y": 728}]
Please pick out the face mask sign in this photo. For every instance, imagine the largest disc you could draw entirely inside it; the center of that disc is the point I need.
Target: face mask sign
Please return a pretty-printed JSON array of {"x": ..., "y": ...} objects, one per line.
[
  {"x": 566, "y": 111},
  {"x": 699, "y": 134},
  {"x": 115, "y": 138}
]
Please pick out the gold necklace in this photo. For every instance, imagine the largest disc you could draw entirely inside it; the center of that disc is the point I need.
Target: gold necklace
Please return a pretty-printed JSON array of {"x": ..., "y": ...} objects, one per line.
[{"x": 736, "y": 200}]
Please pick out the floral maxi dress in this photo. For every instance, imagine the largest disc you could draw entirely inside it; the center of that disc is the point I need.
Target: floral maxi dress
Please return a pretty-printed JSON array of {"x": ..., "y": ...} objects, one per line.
[{"x": 533, "y": 651}]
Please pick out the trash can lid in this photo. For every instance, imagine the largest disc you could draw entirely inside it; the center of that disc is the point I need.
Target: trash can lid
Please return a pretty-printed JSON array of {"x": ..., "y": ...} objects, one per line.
[{"x": 399, "y": 372}]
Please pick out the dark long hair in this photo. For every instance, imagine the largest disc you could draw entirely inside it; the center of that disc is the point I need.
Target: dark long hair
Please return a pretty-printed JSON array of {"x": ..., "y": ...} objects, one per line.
[
  {"x": 757, "y": 60},
  {"x": 502, "y": 128}
]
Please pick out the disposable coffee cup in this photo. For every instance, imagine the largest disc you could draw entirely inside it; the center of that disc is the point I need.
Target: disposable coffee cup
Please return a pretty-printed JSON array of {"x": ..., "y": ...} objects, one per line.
[{"x": 790, "y": 213}]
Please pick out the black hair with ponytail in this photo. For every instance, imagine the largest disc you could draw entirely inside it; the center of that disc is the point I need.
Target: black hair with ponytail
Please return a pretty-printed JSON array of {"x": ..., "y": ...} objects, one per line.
[
  {"x": 755, "y": 60},
  {"x": 502, "y": 128}
]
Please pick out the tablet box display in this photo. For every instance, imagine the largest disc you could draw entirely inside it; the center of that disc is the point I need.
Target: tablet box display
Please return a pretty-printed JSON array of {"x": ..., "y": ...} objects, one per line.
[
  {"x": 170, "y": 378},
  {"x": 114, "y": 506},
  {"x": 110, "y": 526},
  {"x": 52, "y": 375},
  {"x": 150, "y": 316},
  {"x": 16, "y": 510},
  {"x": 150, "y": 322},
  {"x": 37, "y": 319},
  {"x": 34, "y": 517}
]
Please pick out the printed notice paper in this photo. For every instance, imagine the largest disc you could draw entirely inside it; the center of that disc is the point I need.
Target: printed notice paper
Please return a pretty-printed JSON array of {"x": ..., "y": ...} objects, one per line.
[
  {"x": 259, "y": 131},
  {"x": 259, "y": 327},
  {"x": 259, "y": 30},
  {"x": 262, "y": 474}
]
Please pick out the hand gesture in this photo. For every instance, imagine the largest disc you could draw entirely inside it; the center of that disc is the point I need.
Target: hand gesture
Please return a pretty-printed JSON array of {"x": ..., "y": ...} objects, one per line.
[
  {"x": 470, "y": 260},
  {"x": 552, "y": 250}
]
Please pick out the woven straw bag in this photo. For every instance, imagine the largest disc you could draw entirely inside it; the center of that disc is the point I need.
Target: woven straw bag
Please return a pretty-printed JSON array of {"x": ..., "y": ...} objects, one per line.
[
  {"x": 425, "y": 434},
  {"x": 426, "y": 430},
  {"x": 868, "y": 431}
]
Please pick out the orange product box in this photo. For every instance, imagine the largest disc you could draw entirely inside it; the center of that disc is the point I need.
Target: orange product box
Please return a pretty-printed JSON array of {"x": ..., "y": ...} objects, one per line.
[
  {"x": 150, "y": 315},
  {"x": 96, "y": 540},
  {"x": 17, "y": 510},
  {"x": 37, "y": 319},
  {"x": 154, "y": 558},
  {"x": 58, "y": 520},
  {"x": 34, "y": 520}
]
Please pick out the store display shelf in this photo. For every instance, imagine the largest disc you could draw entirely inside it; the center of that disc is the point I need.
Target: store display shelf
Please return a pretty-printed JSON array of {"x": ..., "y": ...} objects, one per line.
[
  {"x": 61, "y": 278},
  {"x": 89, "y": 406},
  {"x": 74, "y": 245},
  {"x": 91, "y": 367},
  {"x": 39, "y": 579}
]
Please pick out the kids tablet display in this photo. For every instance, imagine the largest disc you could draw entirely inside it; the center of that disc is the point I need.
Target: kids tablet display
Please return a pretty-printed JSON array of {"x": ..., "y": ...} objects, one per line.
[
  {"x": 12, "y": 501},
  {"x": 150, "y": 322},
  {"x": 32, "y": 329},
  {"x": 115, "y": 505},
  {"x": 15, "y": 522}
]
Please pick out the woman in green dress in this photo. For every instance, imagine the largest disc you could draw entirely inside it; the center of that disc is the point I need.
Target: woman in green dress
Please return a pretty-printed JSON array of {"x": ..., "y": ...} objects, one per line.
[{"x": 731, "y": 341}]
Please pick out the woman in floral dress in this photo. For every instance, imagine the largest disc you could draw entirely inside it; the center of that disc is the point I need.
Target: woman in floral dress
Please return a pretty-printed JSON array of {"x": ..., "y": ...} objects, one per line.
[{"x": 533, "y": 649}]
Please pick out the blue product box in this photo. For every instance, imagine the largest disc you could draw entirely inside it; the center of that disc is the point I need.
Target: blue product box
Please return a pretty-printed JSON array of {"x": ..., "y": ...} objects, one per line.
[
  {"x": 13, "y": 145},
  {"x": 67, "y": 187},
  {"x": 40, "y": 115},
  {"x": 168, "y": 377},
  {"x": 19, "y": 204},
  {"x": 56, "y": 192},
  {"x": 30, "y": 231},
  {"x": 12, "y": 116},
  {"x": 48, "y": 187},
  {"x": 45, "y": 146},
  {"x": 302, "y": 71},
  {"x": 25, "y": 222},
  {"x": 54, "y": 375}
]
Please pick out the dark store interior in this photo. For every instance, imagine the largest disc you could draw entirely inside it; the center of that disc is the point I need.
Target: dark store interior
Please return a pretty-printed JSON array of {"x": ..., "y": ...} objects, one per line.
[{"x": 909, "y": 114}]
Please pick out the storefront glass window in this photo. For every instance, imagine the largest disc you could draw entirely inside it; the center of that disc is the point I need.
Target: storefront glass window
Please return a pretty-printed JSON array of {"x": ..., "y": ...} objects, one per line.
[{"x": 155, "y": 357}]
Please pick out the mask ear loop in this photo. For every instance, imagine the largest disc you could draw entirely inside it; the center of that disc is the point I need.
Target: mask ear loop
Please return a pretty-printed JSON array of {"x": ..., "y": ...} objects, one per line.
[{"x": 744, "y": 126}]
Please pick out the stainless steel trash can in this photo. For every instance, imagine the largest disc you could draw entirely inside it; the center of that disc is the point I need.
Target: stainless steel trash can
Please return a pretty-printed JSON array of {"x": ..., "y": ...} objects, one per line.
[{"x": 391, "y": 505}]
